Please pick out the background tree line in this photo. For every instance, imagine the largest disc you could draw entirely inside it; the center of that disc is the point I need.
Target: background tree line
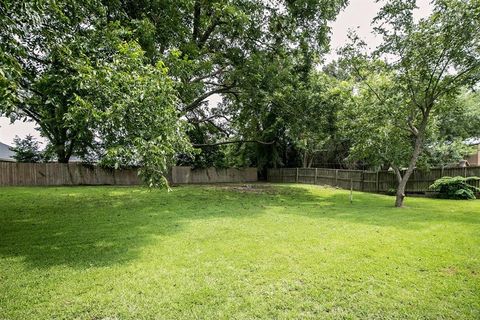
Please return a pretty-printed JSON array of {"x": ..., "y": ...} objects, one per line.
[{"x": 128, "y": 83}]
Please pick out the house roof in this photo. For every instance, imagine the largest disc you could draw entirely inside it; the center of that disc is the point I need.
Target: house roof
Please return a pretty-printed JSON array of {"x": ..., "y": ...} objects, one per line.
[{"x": 5, "y": 153}]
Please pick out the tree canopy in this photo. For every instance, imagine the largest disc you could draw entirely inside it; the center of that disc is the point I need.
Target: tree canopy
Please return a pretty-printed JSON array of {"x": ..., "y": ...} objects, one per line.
[{"x": 62, "y": 62}]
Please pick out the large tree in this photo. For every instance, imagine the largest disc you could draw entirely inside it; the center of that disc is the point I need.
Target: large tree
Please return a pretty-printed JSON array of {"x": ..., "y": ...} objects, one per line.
[
  {"x": 40, "y": 40},
  {"x": 221, "y": 47},
  {"x": 410, "y": 81},
  {"x": 88, "y": 85}
]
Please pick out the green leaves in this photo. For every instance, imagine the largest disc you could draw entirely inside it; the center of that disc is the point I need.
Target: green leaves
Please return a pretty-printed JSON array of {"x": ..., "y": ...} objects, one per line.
[
  {"x": 456, "y": 187},
  {"x": 407, "y": 88},
  {"x": 130, "y": 106},
  {"x": 27, "y": 149},
  {"x": 119, "y": 79}
]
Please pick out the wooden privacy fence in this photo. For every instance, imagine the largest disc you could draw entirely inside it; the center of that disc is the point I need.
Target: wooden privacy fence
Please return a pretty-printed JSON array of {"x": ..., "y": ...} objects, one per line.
[
  {"x": 55, "y": 174},
  {"x": 369, "y": 181},
  {"x": 187, "y": 175}
]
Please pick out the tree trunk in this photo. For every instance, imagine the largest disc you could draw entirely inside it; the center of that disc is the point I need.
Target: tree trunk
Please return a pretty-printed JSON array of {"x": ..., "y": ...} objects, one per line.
[
  {"x": 310, "y": 162},
  {"x": 62, "y": 155},
  {"x": 402, "y": 180},
  {"x": 400, "y": 193}
]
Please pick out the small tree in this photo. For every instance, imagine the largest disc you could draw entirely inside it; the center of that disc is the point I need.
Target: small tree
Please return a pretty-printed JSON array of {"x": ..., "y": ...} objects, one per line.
[
  {"x": 413, "y": 77},
  {"x": 26, "y": 149}
]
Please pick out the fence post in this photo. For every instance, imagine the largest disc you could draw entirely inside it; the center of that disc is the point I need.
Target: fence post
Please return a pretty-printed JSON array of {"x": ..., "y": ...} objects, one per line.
[
  {"x": 351, "y": 190},
  {"x": 336, "y": 177},
  {"x": 377, "y": 183},
  {"x": 362, "y": 183},
  {"x": 315, "y": 179},
  {"x": 296, "y": 177}
]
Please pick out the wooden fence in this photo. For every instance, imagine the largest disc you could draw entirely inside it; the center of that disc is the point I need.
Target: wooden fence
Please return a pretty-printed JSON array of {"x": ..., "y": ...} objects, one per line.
[
  {"x": 187, "y": 175},
  {"x": 55, "y": 174},
  {"x": 369, "y": 181}
]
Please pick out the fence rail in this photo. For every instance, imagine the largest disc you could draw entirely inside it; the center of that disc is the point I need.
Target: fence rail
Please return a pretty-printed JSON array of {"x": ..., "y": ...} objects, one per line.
[
  {"x": 369, "y": 181},
  {"x": 55, "y": 174}
]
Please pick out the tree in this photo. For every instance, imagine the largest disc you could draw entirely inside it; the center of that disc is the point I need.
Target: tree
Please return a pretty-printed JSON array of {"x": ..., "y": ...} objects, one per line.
[
  {"x": 312, "y": 110},
  {"x": 130, "y": 107},
  {"x": 89, "y": 86},
  {"x": 412, "y": 78},
  {"x": 463, "y": 120},
  {"x": 214, "y": 47},
  {"x": 26, "y": 149},
  {"x": 39, "y": 41}
]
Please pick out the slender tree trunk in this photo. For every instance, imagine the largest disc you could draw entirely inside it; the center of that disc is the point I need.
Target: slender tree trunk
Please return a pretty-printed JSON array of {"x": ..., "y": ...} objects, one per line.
[
  {"x": 310, "y": 162},
  {"x": 402, "y": 180}
]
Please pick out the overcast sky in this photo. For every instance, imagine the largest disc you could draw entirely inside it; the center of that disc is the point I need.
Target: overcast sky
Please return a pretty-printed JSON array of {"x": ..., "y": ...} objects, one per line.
[{"x": 356, "y": 16}]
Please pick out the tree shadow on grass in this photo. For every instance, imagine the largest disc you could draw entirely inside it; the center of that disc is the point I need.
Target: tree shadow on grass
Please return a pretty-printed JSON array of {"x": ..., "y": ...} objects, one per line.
[
  {"x": 95, "y": 227},
  {"x": 85, "y": 227}
]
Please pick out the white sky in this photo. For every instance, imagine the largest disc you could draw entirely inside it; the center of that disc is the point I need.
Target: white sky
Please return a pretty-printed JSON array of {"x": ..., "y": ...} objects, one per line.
[{"x": 357, "y": 16}]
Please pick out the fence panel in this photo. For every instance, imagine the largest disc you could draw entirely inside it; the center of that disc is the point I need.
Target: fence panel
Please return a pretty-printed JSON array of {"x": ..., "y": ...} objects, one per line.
[
  {"x": 327, "y": 176},
  {"x": 306, "y": 175},
  {"x": 54, "y": 174},
  {"x": 370, "y": 181}
]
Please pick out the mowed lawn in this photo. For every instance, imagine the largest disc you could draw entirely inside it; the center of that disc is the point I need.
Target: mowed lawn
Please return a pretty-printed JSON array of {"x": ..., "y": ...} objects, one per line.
[{"x": 234, "y": 252}]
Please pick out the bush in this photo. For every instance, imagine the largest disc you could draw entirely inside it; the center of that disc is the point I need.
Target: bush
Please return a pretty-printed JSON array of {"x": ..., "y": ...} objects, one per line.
[
  {"x": 391, "y": 192},
  {"x": 455, "y": 187}
]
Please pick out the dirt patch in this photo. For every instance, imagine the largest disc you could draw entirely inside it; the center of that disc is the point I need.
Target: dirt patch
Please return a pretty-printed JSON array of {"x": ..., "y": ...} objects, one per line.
[
  {"x": 450, "y": 271},
  {"x": 249, "y": 188}
]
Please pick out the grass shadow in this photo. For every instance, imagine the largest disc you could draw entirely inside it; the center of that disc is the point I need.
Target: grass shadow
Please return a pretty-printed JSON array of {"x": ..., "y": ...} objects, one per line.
[{"x": 83, "y": 227}]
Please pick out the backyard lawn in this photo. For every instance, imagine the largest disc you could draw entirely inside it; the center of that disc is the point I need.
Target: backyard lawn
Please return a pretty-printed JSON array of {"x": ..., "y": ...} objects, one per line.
[{"x": 235, "y": 252}]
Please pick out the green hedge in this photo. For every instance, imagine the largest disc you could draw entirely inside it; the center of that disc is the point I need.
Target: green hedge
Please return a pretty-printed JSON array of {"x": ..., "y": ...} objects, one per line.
[{"x": 455, "y": 187}]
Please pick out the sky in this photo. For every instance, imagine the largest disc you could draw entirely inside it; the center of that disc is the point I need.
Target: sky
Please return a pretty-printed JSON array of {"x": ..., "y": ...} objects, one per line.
[{"x": 357, "y": 16}]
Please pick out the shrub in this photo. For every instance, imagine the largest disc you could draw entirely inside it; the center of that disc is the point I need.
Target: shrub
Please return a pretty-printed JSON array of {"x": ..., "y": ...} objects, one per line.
[
  {"x": 455, "y": 187},
  {"x": 391, "y": 192}
]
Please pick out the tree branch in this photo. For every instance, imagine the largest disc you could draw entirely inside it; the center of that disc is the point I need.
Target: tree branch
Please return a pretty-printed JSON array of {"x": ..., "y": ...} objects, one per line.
[
  {"x": 207, "y": 33},
  {"x": 201, "y": 145},
  {"x": 213, "y": 74},
  {"x": 196, "y": 20},
  {"x": 193, "y": 105},
  {"x": 368, "y": 85},
  {"x": 397, "y": 172}
]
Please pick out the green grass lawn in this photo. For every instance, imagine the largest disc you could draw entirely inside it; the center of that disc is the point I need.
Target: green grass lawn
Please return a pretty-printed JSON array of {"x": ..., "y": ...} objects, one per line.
[{"x": 272, "y": 252}]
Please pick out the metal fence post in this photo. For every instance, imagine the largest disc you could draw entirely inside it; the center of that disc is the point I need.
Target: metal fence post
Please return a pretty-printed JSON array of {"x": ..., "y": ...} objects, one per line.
[
  {"x": 296, "y": 177},
  {"x": 315, "y": 179}
]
